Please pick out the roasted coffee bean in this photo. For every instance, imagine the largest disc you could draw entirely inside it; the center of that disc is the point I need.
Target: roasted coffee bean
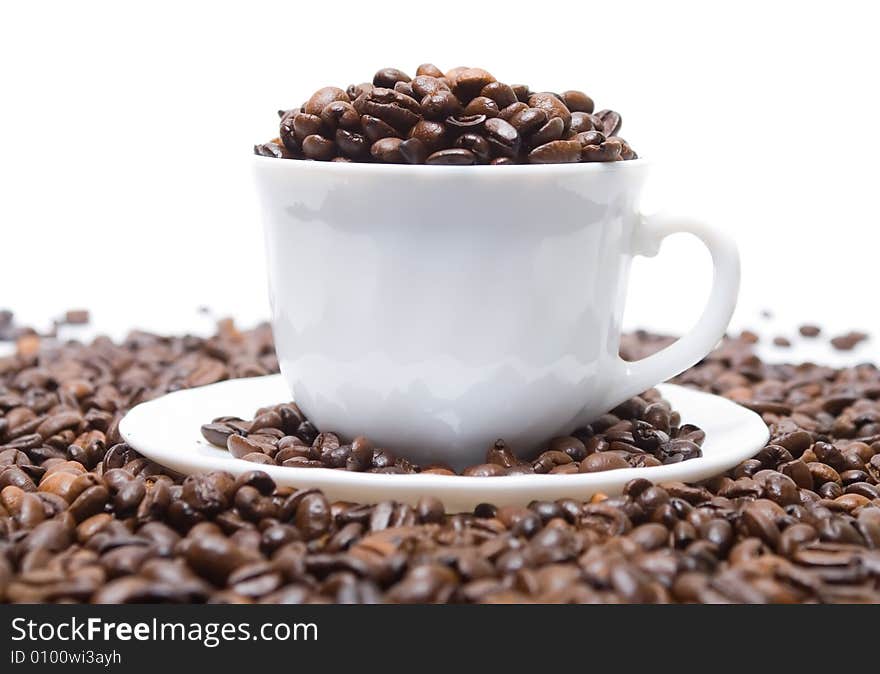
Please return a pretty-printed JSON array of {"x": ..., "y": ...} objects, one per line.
[
  {"x": 425, "y": 85},
  {"x": 431, "y": 134},
  {"x": 322, "y": 98},
  {"x": 577, "y": 101},
  {"x": 553, "y": 106},
  {"x": 608, "y": 150},
  {"x": 598, "y": 462},
  {"x": 457, "y": 156},
  {"x": 551, "y": 131},
  {"x": 306, "y": 125},
  {"x": 312, "y": 516},
  {"x": 501, "y": 93},
  {"x": 611, "y": 122},
  {"x": 340, "y": 115},
  {"x": 388, "y": 77},
  {"x": 376, "y": 129},
  {"x": 440, "y": 105},
  {"x": 463, "y": 122},
  {"x": 387, "y": 150},
  {"x": 481, "y": 105},
  {"x": 556, "y": 152},
  {"x": 413, "y": 151},
  {"x": 273, "y": 150},
  {"x": 485, "y": 470},
  {"x": 502, "y": 136},
  {"x": 318, "y": 147},
  {"x": 351, "y": 144},
  {"x": 477, "y": 144}
]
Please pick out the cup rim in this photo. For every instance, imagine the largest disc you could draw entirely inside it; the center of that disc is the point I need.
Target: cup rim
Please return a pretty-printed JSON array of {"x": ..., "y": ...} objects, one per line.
[{"x": 411, "y": 169}]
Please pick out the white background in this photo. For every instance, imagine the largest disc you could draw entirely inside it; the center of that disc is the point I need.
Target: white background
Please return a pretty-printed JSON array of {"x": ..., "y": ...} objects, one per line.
[{"x": 126, "y": 131}]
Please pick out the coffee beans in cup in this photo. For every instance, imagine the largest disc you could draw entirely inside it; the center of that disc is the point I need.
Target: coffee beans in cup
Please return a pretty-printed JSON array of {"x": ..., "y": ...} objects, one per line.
[{"x": 460, "y": 117}]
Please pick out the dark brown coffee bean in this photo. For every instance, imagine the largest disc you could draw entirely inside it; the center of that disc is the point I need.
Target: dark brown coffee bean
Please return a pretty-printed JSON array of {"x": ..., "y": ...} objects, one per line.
[
  {"x": 440, "y": 105},
  {"x": 511, "y": 110},
  {"x": 340, "y": 115},
  {"x": 577, "y": 101},
  {"x": 451, "y": 157},
  {"x": 413, "y": 151},
  {"x": 476, "y": 144},
  {"x": 395, "y": 109},
  {"x": 388, "y": 77},
  {"x": 352, "y": 145},
  {"x": 426, "y": 85},
  {"x": 611, "y": 122},
  {"x": 485, "y": 470},
  {"x": 550, "y": 132},
  {"x": 481, "y": 105},
  {"x": 319, "y": 148},
  {"x": 322, "y": 98},
  {"x": 313, "y": 516},
  {"x": 469, "y": 82},
  {"x": 570, "y": 446},
  {"x": 305, "y": 125},
  {"x": 554, "y": 107},
  {"x": 502, "y": 94},
  {"x": 605, "y": 151},
  {"x": 502, "y": 136},
  {"x": 431, "y": 134},
  {"x": 387, "y": 150},
  {"x": 239, "y": 446},
  {"x": 429, "y": 69},
  {"x": 528, "y": 120},
  {"x": 273, "y": 150},
  {"x": 556, "y": 152},
  {"x": 217, "y": 434},
  {"x": 376, "y": 129},
  {"x": 598, "y": 462}
]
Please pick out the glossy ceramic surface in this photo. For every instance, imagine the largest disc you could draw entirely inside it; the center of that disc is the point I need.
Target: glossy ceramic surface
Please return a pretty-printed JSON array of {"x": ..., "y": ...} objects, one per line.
[
  {"x": 436, "y": 309},
  {"x": 167, "y": 431}
]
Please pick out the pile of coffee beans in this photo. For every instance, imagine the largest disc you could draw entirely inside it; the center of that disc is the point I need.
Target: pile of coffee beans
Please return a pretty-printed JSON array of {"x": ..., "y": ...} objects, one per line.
[
  {"x": 644, "y": 431},
  {"x": 455, "y": 118},
  {"x": 84, "y": 518}
]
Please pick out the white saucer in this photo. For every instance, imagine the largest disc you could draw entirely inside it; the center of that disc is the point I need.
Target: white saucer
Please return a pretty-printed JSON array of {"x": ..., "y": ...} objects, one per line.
[{"x": 167, "y": 430}]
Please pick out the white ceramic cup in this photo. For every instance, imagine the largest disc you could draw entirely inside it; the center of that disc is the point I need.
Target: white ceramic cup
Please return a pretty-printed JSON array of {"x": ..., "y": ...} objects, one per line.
[{"x": 437, "y": 309}]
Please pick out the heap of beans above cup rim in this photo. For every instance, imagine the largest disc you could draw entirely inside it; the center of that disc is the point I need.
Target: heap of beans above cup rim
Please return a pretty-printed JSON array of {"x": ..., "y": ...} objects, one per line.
[{"x": 458, "y": 118}]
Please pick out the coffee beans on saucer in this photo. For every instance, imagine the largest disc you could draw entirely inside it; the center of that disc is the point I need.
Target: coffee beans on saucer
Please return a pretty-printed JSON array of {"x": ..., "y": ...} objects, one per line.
[
  {"x": 460, "y": 117},
  {"x": 642, "y": 432}
]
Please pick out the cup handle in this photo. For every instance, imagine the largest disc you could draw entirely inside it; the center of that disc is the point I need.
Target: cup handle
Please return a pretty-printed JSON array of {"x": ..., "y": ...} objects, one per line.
[{"x": 634, "y": 377}]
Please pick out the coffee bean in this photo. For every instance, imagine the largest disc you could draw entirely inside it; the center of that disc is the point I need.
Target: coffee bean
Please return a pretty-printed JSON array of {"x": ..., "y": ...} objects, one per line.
[
  {"x": 312, "y": 516},
  {"x": 610, "y": 120},
  {"x": 440, "y": 105},
  {"x": 501, "y": 93},
  {"x": 322, "y": 98},
  {"x": 318, "y": 147},
  {"x": 553, "y": 106},
  {"x": 598, "y": 462},
  {"x": 451, "y": 157},
  {"x": 477, "y": 144},
  {"x": 481, "y": 105},
  {"x": 556, "y": 152},
  {"x": 388, "y": 77},
  {"x": 387, "y": 150},
  {"x": 502, "y": 136},
  {"x": 577, "y": 101},
  {"x": 485, "y": 470}
]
